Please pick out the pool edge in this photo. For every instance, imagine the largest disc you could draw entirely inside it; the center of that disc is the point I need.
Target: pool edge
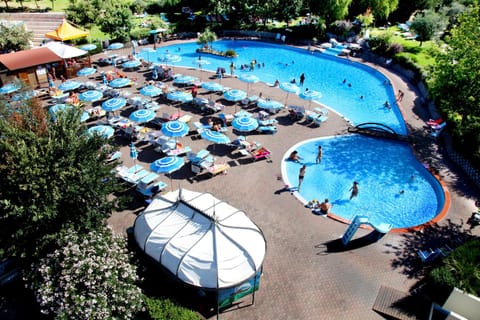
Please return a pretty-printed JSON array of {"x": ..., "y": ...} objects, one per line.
[{"x": 436, "y": 219}]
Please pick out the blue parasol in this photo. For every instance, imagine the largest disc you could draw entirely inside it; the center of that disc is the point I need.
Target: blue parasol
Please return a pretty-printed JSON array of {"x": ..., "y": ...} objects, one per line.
[
  {"x": 119, "y": 83},
  {"x": 268, "y": 104},
  {"x": 69, "y": 85},
  {"x": 175, "y": 129},
  {"x": 91, "y": 95},
  {"x": 245, "y": 124},
  {"x": 248, "y": 78},
  {"x": 180, "y": 96},
  {"x": 24, "y": 95},
  {"x": 89, "y": 47},
  {"x": 131, "y": 64},
  {"x": 289, "y": 88},
  {"x": 86, "y": 72},
  {"x": 212, "y": 86},
  {"x": 114, "y": 104},
  {"x": 55, "y": 109},
  {"x": 151, "y": 91},
  {"x": 104, "y": 131},
  {"x": 184, "y": 80},
  {"x": 142, "y": 115},
  {"x": 214, "y": 136},
  {"x": 9, "y": 88},
  {"x": 84, "y": 116},
  {"x": 235, "y": 95},
  {"x": 310, "y": 95},
  {"x": 115, "y": 46},
  {"x": 167, "y": 164}
]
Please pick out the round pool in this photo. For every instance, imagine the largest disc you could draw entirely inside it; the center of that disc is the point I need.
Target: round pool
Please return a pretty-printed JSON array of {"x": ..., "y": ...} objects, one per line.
[
  {"x": 394, "y": 187},
  {"x": 352, "y": 89}
]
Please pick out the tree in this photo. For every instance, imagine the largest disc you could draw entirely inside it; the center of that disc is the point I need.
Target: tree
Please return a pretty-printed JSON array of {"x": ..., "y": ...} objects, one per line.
[
  {"x": 116, "y": 20},
  {"x": 83, "y": 12},
  {"x": 426, "y": 25},
  {"x": 14, "y": 38},
  {"x": 330, "y": 10},
  {"x": 381, "y": 9},
  {"x": 207, "y": 37},
  {"x": 87, "y": 278},
  {"x": 455, "y": 84},
  {"x": 54, "y": 177}
]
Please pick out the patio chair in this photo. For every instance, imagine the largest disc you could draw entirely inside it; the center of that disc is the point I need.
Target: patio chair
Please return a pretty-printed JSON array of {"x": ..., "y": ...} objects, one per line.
[{"x": 429, "y": 256}]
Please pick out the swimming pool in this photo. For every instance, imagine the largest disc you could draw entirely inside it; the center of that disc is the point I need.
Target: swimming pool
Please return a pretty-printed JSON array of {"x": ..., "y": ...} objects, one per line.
[
  {"x": 322, "y": 72},
  {"x": 393, "y": 186}
]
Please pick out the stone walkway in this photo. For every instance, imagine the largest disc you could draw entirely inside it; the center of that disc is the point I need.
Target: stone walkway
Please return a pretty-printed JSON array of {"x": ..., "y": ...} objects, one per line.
[{"x": 303, "y": 276}]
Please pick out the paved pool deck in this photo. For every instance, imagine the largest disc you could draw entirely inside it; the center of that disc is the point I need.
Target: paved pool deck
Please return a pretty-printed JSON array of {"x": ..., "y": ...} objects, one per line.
[{"x": 303, "y": 276}]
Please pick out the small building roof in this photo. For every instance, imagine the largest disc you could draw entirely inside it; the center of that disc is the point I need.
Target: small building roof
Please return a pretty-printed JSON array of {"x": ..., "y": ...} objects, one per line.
[{"x": 28, "y": 58}]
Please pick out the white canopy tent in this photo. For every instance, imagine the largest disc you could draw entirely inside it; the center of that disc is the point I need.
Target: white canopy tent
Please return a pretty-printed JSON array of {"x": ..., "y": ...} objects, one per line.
[
  {"x": 202, "y": 240},
  {"x": 65, "y": 51}
]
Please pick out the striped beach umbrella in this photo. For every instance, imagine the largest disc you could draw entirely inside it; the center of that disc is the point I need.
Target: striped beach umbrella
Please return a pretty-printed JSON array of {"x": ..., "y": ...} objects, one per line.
[
  {"x": 114, "y": 104},
  {"x": 142, "y": 115}
]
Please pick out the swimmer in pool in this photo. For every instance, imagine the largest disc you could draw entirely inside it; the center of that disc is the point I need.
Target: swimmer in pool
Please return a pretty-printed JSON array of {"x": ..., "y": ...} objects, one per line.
[{"x": 354, "y": 190}]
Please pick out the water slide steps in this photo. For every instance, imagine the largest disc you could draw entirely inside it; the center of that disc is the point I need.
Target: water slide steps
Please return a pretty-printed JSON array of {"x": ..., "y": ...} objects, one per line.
[{"x": 357, "y": 221}]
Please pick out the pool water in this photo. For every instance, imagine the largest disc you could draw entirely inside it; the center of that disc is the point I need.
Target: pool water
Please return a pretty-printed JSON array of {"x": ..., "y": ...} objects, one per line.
[
  {"x": 393, "y": 186},
  {"x": 323, "y": 73}
]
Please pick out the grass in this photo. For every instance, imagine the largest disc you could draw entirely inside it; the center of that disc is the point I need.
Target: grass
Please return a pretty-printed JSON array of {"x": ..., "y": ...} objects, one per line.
[
  {"x": 423, "y": 55},
  {"x": 58, "y": 5}
]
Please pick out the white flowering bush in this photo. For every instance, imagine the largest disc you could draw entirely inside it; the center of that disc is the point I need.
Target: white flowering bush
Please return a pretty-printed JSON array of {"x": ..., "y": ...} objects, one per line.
[{"x": 89, "y": 277}]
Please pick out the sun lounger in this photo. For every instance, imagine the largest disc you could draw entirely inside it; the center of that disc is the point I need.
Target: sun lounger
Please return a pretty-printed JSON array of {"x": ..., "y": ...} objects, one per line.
[
  {"x": 197, "y": 158},
  {"x": 296, "y": 113},
  {"x": 146, "y": 190},
  {"x": 433, "y": 122},
  {"x": 261, "y": 153},
  {"x": 149, "y": 178},
  {"x": 217, "y": 168},
  {"x": 178, "y": 151},
  {"x": 319, "y": 120},
  {"x": 269, "y": 129},
  {"x": 114, "y": 156},
  {"x": 438, "y": 126}
]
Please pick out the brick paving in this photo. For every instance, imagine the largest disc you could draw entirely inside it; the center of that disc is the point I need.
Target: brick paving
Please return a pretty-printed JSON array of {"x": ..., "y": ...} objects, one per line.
[{"x": 302, "y": 278}]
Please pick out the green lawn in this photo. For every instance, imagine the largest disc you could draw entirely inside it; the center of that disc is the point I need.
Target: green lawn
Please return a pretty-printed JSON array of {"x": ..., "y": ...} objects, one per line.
[
  {"x": 421, "y": 55},
  {"x": 58, "y": 5}
]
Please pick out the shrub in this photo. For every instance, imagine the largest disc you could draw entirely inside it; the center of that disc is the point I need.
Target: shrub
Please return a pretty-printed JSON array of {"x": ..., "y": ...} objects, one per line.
[
  {"x": 460, "y": 269},
  {"x": 140, "y": 33},
  {"x": 88, "y": 277},
  {"x": 160, "y": 309},
  {"x": 230, "y": 53}
]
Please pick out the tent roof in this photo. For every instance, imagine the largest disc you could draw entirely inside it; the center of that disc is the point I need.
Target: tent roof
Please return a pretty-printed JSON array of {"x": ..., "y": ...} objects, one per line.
[
  {"x": 66, "y": 32},
  {"x": 28, "y": 58},
  {"x": 65, "y": 51},
  {"x": 202, "y": 240}
]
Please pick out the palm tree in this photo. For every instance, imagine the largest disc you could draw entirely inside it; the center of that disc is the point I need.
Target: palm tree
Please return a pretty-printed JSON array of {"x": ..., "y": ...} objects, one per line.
[{"x": 206, "y": 38}]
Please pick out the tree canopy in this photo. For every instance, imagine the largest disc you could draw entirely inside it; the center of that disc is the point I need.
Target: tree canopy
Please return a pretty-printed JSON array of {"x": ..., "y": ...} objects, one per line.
[
  {"x": 454, "y": 82},
  {"x": 14, "y": 38},
  {"x": 53, "y": 178}
]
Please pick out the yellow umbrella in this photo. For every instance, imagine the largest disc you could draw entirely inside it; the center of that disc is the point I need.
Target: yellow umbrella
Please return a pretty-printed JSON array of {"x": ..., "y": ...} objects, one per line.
[{"x": 66, "y": 32}]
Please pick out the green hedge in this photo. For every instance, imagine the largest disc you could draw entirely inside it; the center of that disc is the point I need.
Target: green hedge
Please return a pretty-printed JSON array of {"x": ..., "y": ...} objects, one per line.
[
  {"x": 161, "y": 309},
  {"x": 460, "y": 269}
]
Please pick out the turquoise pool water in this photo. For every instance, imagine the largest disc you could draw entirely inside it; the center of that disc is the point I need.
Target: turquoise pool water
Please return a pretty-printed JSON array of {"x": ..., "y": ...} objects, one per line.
[
  {"x": 322, "y": 72},
  {"x": 384, "y": 171}
]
